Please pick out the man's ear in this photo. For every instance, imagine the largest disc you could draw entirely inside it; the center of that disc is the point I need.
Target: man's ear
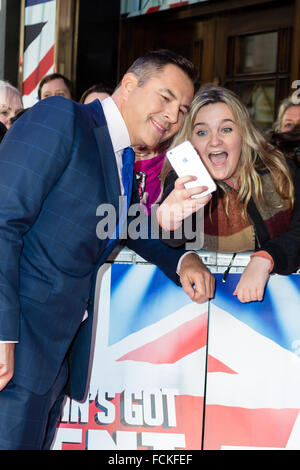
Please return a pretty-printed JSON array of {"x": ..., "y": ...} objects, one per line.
[{"x": 128, "y": 84}]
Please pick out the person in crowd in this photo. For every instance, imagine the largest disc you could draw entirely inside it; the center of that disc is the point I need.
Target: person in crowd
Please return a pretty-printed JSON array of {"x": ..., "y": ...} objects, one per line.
[
  {"x": 98, "y": 91},
  {"x": 286, "y": 133},
  {"x": 54, "y": 235},
  {"x": 256, "y": 204},
  {"x": 288, "y": 116},
  {"x": 288, "y": 143},
  {"x": 55, "y": 84},
  {"x": 10, "y": 102},
  {"x": 3, "y": 130}
]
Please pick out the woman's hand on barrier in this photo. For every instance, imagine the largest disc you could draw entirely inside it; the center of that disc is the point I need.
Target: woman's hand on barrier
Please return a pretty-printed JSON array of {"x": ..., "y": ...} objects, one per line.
[
  {"x": 196, "y": 280},
  {"x": 251, "y": 286},
  {"x": 180, "y": 204},
  {"x": 7, "y": 351}
]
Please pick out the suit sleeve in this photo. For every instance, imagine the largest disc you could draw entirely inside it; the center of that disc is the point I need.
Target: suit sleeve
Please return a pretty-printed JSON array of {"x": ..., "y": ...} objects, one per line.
[{"x": 33, "y": 155}]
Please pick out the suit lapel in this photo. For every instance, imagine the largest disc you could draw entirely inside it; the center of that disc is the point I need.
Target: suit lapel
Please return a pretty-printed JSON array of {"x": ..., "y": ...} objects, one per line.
[
  {"x": 109, "y": 171},
  {"x": 110, "y": 176}
]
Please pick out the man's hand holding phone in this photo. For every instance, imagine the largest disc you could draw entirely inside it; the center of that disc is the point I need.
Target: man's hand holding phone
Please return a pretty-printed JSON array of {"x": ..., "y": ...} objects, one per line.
[
  {"x": 181, "y": 203},
  {"x": 192, "y": 190}
]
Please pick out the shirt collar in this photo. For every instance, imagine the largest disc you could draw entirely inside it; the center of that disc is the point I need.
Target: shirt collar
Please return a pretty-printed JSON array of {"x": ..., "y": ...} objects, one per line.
[{"x": 116, "y": 126}]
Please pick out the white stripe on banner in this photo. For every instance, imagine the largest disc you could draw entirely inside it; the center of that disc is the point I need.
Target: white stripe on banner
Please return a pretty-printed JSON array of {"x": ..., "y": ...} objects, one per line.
[
  {"x": 32, "y": 98},
  {"x": 38, "y": 59}
]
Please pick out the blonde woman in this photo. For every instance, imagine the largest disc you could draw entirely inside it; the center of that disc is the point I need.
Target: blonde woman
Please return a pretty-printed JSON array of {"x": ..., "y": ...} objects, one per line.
[{"x": 256, "y": 205}]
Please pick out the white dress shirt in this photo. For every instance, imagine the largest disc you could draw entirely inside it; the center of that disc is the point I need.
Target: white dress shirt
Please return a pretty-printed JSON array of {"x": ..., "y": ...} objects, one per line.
[{"x": 118, "y": 132}]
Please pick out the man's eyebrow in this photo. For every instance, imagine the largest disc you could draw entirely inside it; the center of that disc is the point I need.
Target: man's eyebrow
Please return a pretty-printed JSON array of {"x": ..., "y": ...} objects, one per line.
[{"x": 172, "y": 94}]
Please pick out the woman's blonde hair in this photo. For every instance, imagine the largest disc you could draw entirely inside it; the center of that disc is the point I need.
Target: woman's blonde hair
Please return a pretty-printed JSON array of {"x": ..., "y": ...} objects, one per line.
[{"x": 256, "y": 154}]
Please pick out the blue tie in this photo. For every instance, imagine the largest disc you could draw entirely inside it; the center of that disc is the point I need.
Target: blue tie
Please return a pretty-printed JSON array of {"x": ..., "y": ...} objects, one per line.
[
  {"x": 127, "y": 172},
  {"x": 128, "y": 158}
]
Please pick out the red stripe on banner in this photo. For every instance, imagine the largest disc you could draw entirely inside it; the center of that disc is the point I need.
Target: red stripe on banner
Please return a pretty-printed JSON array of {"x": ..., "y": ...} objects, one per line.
[
  {"x": 242, "y": 427},
  {"x": 174, "y": 345},
  {"x": 153, "y": 9},
  {"x": 35, "y": 77},
  {"x": 180, "y": 4},
  {"x": 214, "y": 365}
]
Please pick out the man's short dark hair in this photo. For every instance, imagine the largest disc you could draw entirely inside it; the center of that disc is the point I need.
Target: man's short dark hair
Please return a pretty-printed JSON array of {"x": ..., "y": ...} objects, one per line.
[
  {"x": 54, "y": 76},
  {"x": 144, "y": 66}
]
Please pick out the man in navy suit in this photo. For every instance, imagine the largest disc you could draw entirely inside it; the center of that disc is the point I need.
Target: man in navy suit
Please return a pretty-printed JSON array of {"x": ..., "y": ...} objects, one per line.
[{"x": 58, "y": 164}]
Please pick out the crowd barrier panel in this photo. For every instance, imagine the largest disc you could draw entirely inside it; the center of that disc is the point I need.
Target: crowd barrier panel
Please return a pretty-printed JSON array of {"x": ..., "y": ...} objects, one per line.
[{"x": 168, "y": 373}]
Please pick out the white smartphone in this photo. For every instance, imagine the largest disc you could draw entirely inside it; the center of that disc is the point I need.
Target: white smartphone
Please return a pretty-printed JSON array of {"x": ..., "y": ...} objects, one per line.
[{"x": 186, "y": 161}]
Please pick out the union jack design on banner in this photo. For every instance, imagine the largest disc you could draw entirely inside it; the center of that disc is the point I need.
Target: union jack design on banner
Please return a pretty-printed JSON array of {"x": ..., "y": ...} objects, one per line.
[
  {"x": 133, "y": 8},
  {"x": 257, "y": 405},
  {"x": 150, "y": 340},
  {"x": 39, "y": 45},
  {"x": 157, "y": 384}
]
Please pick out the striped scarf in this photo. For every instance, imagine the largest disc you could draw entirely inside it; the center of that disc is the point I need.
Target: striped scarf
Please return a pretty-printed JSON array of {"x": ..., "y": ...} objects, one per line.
[{"x": 226, "y": 231}]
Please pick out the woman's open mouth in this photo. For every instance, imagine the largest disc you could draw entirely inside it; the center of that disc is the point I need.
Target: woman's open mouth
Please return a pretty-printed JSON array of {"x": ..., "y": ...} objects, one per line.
[{"x": 218, "y": 159}]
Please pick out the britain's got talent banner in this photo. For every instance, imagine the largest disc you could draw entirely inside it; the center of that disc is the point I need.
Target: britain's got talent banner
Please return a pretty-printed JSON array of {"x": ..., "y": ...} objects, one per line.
[
  {"x": 172, "y": 374},
  {"x": 37, "y": 59}
]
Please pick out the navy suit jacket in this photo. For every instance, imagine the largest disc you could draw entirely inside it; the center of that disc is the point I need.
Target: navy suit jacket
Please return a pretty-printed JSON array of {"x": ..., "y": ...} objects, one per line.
[{"x": 57, "y": 166}]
